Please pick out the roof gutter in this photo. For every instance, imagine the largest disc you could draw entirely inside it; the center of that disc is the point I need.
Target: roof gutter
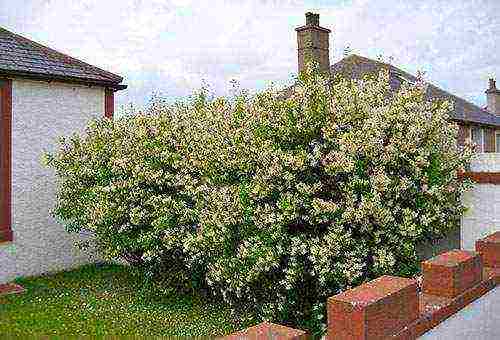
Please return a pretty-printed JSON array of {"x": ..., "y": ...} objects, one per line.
[
  {"x": 116, "y": 86},
  {"x": 471, "y": 122}
]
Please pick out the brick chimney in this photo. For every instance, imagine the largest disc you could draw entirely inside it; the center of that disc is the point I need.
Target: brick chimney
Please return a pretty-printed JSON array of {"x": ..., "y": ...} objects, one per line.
[
  {"x": 493, "y": 98},
  {"x": 313, "y": 42}
]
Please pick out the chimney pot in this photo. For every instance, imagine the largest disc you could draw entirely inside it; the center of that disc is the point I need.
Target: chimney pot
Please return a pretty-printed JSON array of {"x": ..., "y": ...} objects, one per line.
[
  {"x": 312, "y": 19},
  {"x": 492, "y": 85}
]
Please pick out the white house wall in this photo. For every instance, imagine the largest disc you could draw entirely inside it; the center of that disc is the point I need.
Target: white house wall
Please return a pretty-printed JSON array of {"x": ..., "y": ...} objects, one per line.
[
  {"x": 483, "y": 202},
  {"x": 42, "y": 112},
  {"x": 483, "y": 215}
]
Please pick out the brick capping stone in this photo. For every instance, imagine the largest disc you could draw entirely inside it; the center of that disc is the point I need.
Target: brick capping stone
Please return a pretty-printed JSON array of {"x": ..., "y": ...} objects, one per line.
[
  {"x": 267, "y": 330},
  {"x": 451, "y": 273},
  {"x": 10, "y": 288},
  {"x": 434, "y": 309},
  {"x": 489, "y": 247},
  {"x": 373, "y": 310},
  {"x": 481, "y": 177},
  {"x": 398, "y": 308}
]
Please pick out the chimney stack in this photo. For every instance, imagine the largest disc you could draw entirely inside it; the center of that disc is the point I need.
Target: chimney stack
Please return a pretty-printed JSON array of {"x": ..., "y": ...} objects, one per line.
[
  {"x": 313, "y": 43},
  {"x": 493, "y": 98}
]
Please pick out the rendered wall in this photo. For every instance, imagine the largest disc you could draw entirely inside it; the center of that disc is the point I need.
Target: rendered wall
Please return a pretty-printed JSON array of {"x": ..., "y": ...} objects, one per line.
[
  {"x": 42, "y": 112},
  {"x": 483, "y": 201}
]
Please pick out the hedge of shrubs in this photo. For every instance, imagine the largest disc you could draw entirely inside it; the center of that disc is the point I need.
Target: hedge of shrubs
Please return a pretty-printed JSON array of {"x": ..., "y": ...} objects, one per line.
[{"x": 272, "y": 203}]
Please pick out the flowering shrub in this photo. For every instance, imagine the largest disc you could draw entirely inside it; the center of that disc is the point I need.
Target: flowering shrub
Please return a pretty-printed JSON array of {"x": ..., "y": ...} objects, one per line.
[
  {"x": 127, "y": 183},
  {"x": 274, "y": 203}
]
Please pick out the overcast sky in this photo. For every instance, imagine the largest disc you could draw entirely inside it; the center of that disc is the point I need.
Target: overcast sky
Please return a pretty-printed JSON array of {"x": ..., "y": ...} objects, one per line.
[{"x": 169, "y": 46}]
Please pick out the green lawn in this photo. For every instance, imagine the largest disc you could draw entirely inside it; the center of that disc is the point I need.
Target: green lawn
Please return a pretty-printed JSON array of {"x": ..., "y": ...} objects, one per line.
[{"x": 103, "y": 300}]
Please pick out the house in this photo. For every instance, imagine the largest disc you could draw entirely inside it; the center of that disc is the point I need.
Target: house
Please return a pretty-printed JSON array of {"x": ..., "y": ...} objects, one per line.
[
  {"x": 482, "y": 126},
  {"x": 44, "y": 94}
]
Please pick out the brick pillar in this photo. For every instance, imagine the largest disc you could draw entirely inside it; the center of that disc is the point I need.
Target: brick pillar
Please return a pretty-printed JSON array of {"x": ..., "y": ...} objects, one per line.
[
  {"x": 489, "y": 248},
  {"x": 374, "y": 310},
  {"x": 268, "y": 331},
  {"x": 452, "y": 273}
]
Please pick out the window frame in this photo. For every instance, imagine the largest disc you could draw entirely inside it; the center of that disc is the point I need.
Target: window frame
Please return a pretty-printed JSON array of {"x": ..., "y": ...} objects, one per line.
[
  {"x": 497, "y": 139},
  {"x": 482, "y": 137}
]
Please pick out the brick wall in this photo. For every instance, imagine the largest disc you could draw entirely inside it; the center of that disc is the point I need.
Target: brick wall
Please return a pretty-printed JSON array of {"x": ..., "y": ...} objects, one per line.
[
  {"x": 313, "y": 43},
  {"x": 398, "y": 308}
]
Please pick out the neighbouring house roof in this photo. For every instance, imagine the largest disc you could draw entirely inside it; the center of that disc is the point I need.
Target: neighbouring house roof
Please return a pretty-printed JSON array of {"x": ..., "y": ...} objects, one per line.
[
  {"x": 355, "y": 66},
  {"x": 23, "y": 57}
]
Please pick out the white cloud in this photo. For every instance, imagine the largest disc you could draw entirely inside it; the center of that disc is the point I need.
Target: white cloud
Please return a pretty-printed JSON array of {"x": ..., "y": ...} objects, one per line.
[{"x": 169, "y": 46}]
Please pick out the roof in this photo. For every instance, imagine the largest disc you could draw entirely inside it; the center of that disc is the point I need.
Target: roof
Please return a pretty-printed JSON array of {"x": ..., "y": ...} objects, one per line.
[
  {"x": 23, "y": 57},
  {"x": 355, "y": 66}
]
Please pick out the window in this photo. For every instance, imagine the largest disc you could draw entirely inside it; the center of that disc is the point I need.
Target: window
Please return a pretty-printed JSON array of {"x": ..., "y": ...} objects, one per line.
[
  {"x": 477, "y": 137},
  {"x": 497, "y": 141},
  {"x": 5, "y": 159}
]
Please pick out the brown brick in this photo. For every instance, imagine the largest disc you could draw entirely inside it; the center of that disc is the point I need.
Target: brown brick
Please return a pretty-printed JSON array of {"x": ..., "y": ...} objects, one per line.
[
  {"x": 10, "y": 288},
  {"x": 451, "y": 273},
  {"x": 481, "y": 177},
  {"x": 373, "y": 310},
  {"x": 489, "y": 248},
  {"x": 313, "y": 43},
  {"x": 435, "y": 309},
  {"x": 267, "y": 330}
]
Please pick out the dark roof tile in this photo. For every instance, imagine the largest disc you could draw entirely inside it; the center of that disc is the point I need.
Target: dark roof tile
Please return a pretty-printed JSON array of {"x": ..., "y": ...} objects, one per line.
[
  {"x": 354, "y": 66},
  {"x": 21, "y": 56}
]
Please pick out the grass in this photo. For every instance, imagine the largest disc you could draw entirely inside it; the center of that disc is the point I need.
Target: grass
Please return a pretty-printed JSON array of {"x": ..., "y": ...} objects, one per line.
[{"x": 103, "y": 300}]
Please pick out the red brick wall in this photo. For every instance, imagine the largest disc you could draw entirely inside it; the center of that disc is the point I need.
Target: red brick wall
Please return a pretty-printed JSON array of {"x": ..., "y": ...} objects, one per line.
[
  {"x": 400, "y": 309},
  {"x": 482, "y": 177}
]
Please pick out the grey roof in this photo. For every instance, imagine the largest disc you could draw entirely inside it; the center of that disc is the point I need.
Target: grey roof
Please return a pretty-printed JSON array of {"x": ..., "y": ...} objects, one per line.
[
  {"x": 22, "y": 57},
  {"x": 354, "y": 66}
]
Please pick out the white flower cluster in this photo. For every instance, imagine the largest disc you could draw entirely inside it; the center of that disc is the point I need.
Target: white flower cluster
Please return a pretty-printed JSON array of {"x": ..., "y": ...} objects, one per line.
[{"x": 276, "y": 203}]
